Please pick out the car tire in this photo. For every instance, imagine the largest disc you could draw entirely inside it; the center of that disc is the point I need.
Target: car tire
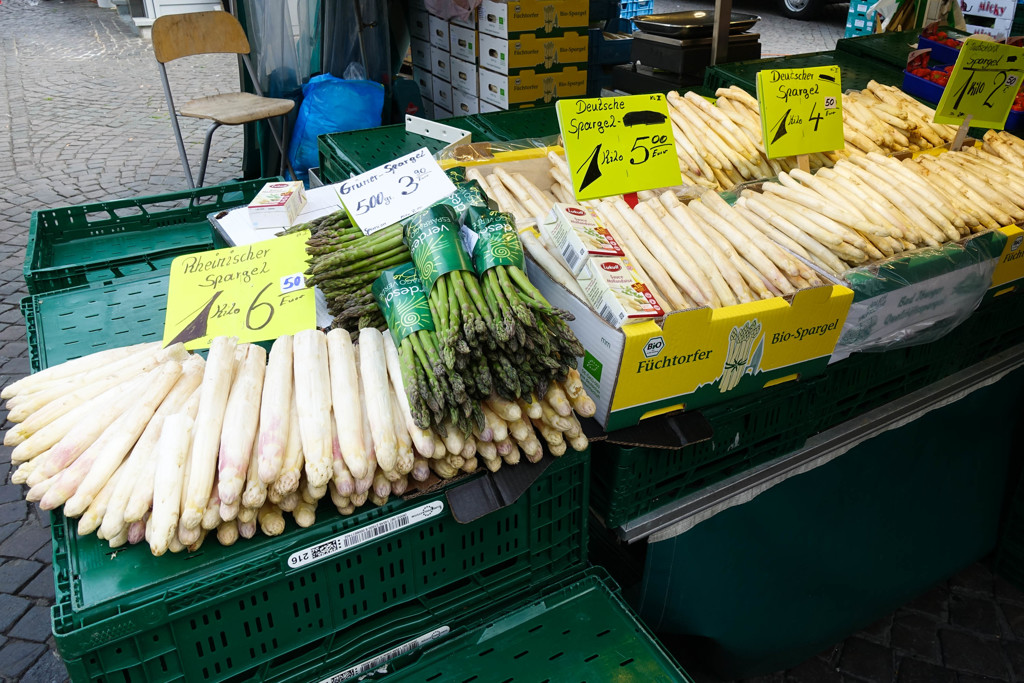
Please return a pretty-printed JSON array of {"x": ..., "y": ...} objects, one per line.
[{"x": 799, "y": 9}]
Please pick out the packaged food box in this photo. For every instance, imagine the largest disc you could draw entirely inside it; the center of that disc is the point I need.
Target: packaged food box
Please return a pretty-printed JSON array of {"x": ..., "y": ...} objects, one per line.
[
  {"x": 577, "y": 233},
  {"x": 616, "y": 292},
  {"x": 277, "y": 205}
]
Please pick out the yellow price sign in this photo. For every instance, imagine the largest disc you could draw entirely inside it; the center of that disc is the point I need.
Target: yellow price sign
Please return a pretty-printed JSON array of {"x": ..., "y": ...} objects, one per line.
[
  {"x": 615, "y": 145},
  {"x": 984, "y": 82},
  {"x": 801, "y": 110},
  {"x": 254, "y": 292}
]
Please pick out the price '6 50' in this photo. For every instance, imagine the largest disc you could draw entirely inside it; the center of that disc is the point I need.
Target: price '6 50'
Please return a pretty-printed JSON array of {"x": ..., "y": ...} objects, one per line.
[{"x": 254, "y": 292}]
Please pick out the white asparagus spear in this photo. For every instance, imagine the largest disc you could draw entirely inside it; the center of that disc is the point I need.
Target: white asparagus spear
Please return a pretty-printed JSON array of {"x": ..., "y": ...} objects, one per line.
[
  {"x": 345, "y": 394},
  {"x": 93, "y": 516},
  {"x": 404, "y": 450},
  {"x": 172, "y": 447},
  {"x": 376, "y": 390},
  {"x": 781, "y": 259},
  {"x": 213, "y": 400},
  {"x": 77, "y": 366},
  {"x": 680, "y": 265},
  {"x": 291, "y": 468},
  {"x": 313, "y": 397},
  {"x": 240, "y": 421},
  {"x": 275, "y": 406},
  {"x": 255, "y": 492}
]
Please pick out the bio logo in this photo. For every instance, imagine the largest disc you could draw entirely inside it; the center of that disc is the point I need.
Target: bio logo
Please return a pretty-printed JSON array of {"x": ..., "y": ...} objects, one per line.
[
  {"x": 1016, "y": 242},
  {"x": 654, "y": 346}
]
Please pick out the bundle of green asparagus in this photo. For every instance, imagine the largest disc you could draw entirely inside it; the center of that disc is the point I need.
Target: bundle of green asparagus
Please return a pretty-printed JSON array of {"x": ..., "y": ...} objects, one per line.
[{"x": 344, "y": 263}]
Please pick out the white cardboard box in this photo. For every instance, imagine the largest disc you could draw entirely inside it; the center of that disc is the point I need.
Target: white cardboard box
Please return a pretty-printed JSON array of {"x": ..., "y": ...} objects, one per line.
[
  {"x": 463, "y": 43},
  {"x": 440, "y": 64},
  {"x": 438, "y": 32},
  {"x": 277, "y": 205},
  {"x": 419, "y": 24},
  {"x": 442, "y": 94},
  {"x": 428, "y": 109},
  {"x": 488, "y": 108},
  {"x": 441, "y": 113},
  {"x": 424, "y": 81},
  {"x": 464, "y": 104},
  {"x": 464, "y": 76},
  {"x": 420, "y": 53},
  {"x": 467, "y": 23}
]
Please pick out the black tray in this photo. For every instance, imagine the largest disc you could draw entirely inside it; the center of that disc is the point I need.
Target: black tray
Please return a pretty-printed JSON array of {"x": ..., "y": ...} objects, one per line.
[{"x": 691, "y": 24}]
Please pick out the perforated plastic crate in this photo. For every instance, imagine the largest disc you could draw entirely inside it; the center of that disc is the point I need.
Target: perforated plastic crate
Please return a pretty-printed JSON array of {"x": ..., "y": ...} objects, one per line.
[
  {"x": 628, "y": 9},
  {"x": 76, "y": 245},
  {"x": 890, "y": 49},
  {"x": 855, "y": 72},
  {"x": 521, "y": 123},
  {"x": 631, "y": 481},
  {"x": 358, "y": 582},
  {"x": 581, "y": 630},
  {"x": 859, "y": 21}
]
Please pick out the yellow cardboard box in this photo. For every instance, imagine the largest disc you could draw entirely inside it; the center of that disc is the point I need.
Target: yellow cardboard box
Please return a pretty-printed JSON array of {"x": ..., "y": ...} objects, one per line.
[
  {"x": 543, "y": 17},
  {"x": 529, "y": 88},
  {"x": 540, "y": 53}
]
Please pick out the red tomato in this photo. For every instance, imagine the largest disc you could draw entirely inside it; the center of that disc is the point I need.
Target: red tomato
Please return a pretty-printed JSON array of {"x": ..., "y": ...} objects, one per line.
[
  {"x": 948, "y": 69},
  {"x": 942, "y": 34}
]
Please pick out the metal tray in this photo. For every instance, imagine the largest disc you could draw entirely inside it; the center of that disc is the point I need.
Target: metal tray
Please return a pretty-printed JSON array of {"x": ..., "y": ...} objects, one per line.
[{"x": 692, "y": 24}]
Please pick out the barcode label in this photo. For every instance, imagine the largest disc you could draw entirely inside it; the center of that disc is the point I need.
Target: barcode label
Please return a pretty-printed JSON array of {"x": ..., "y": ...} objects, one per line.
[
  {"x": 571, "y": 256},
  {"x": 606, "y": 313},
  {"x": 381, "y": 659},
  {"x": 359, "y": 536}
]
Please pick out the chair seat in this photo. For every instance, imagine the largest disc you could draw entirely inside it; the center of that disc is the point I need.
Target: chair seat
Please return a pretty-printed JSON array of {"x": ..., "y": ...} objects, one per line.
[{"x": 234, "y": 108}]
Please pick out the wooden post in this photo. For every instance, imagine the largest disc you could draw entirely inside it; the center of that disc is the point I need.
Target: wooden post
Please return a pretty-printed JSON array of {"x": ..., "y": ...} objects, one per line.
[
  {"x": 961, "y": 133},
  {"x": 720, "y": 32},
  {"x": 804, "y": 162}
]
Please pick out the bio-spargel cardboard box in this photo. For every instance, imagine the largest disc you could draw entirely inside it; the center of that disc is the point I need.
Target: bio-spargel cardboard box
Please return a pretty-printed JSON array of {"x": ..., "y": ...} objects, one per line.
[
  {"x": 529, "y": 89},
  {"x": 419, "y": 24},
  {"x": 465, "y": 76},
  {"x": 1009, "y": 273},
  {"x": 440, "y": 64},
  {"x": 463, "y": 43},
  {"x": 420, "y": 53},
  {"x": 697, "y": 357},
  {"x": 463, "y": 103},
  {"x": 542, "y": 17},
  {"x": 527, "y": 51},
  {"x": 439, "y": 36}
]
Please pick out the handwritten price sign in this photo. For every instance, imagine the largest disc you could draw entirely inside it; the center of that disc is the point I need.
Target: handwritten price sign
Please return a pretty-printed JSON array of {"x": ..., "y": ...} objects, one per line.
[
  {"x": 801, "y": 110},
  {"x": 254, "y": 292},
  {"x": 984, "y": 82},
  {"x": 618, "y": 144},
  {"x": 394, "y": 191}
]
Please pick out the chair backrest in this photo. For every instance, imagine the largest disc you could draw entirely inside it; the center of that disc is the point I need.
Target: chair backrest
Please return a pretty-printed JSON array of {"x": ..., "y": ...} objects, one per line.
[{"x": 197, "y": 33}]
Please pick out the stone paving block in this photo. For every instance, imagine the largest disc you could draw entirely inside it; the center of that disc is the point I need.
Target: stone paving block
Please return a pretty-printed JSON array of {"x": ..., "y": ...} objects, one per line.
[
  {"x": 916, "y": 634},
  {"x": 916, "y": 671},
  {"x": 867, "y": 660},
  {"x": 933, "y": 602},
  {"x": 11, "y": 609},
  {"x": 814, "y": 671},
  {"x": 25, "y": 541},
  {"x": 16, "y": 656},
  {"x": 1015, "y": 654},
  {"x": 976, "y": 579},
  {"x": 16, "y": 573},
  {"x": 34, "y": 625},
  {"x": 974, "y": 614},
  {"x": 8, "y": 494},
  {"x": 41, "y": 586},
  {"x": 7, "y": 530},
  {"x": 48, "y": 669},
  {"x": 1014, "y": 616},
  {"x": 879, "y": 632},
  {"x": 969, "y": 653}
]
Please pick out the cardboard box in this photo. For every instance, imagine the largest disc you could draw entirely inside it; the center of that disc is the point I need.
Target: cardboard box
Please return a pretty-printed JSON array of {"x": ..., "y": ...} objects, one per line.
[
  {"x": 576, "y": 232},
  {"x": 442, "y": 94},
  {"x": 419, "y": 24},
  {"x": 466, "y": 23},
  {"x": 529, "y": 89},
  {"x": 463, "y": 103},
  {"x": 420, "y": 53},
  {"x": 439, "y": 33},
  {"x": 542, "y": 17},
  {"x": 277, "y": 205},
  {"x": 488, "y": 108},
  {"x": 616, "y": 291},
  {"x": 428, "y": 109},
  {"x": 424, "y": 81},
  {"x": 463, "y": 43},
  {"x": 539, "y": 53},
  {"x": 1009, "y": 273},
  {"x": 441, "y": 112},
  {"x": 440, "y": 64},
  {"x": 697, "y": 357},
  {"x": 464, "y": 76}
]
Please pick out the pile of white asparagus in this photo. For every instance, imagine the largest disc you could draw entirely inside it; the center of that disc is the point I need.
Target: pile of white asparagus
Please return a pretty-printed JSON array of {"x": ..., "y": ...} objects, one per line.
[
  {"x": 159, "y": 444},
  {"x": 720, "y": 145}
]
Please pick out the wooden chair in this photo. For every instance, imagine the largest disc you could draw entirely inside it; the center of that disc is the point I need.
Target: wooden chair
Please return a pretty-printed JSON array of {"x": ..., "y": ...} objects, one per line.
[{"x": 197, "y": 33}]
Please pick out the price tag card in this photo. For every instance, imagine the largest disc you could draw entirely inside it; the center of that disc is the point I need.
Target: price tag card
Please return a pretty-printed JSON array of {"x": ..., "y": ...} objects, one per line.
[
  {"x": 801, "y": 110},
  {"x": 615, "y": 145},
  {"x": 254, "y": 292},
  {"x": 984, "y": 82},
  {"x": 394, "y": 191}
]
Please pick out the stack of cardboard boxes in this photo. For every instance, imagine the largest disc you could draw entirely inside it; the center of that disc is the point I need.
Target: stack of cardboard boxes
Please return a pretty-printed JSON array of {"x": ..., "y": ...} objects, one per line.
[{"x": 509, "y": 55}]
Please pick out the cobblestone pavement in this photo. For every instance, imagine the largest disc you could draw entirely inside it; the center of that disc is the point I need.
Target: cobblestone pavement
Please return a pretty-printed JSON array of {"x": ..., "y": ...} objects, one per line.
[{"x": 82, "y": 119}]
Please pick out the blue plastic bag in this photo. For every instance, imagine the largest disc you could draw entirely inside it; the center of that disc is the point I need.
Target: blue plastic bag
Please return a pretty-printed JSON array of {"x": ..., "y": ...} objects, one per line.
[{"x": 332, "y": 105}]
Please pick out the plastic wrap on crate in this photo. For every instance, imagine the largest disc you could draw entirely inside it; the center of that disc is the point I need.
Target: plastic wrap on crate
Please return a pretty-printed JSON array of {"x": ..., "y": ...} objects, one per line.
[
  {"x": 475, "y": 153},
  {"x": 918, "y": 297}
]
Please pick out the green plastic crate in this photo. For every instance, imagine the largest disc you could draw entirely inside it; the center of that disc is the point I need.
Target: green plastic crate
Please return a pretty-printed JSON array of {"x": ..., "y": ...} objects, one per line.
[
  {"x": 855, "y": 71},
  {"x": 581, "y": 630},
  {"x": 359, "y": 151},
  {"x": 631, "y": 481},
  {"x": 890, "y": 49},
  {"x": 77, "y": 245},
  {"x": 221, "y": 612},
  {"x": 521, "y": 123},
  {"x": 66, "y": 324}
]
